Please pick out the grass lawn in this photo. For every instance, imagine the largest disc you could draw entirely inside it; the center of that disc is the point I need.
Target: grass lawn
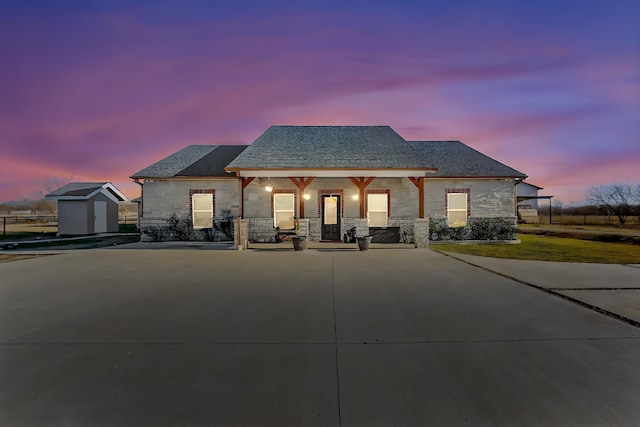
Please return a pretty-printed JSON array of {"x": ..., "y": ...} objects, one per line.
[{"x": 544, "y": 248}]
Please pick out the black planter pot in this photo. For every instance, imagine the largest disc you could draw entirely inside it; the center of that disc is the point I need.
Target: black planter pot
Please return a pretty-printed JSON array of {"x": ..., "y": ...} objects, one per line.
[
  {"x": 364, "y": 242},
  {"x": 299, "y": 243}
]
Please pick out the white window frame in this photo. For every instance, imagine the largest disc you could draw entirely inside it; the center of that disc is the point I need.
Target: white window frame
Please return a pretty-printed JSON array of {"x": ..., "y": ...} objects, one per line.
[
  {"x": 292, "y": 210},
  {"x": 386, "y": 210},
  {"x": 450, "y": 210},
  {"x": 195, "y": 196}
]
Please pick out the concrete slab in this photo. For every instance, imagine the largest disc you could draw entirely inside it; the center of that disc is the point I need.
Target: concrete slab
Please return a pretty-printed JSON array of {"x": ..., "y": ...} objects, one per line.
[
  {"x": 162, "y": 385},
  {"x": 198, "y": 337},
  {"x": 524, "y": 383},
  {"x": 561, "y": 275},
  {"x": 422, "y": 295},
  {"x": 625, "y": 302}
]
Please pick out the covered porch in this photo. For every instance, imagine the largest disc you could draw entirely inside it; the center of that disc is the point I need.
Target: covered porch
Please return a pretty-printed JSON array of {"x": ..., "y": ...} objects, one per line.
[{"x": 333, "y": 206}]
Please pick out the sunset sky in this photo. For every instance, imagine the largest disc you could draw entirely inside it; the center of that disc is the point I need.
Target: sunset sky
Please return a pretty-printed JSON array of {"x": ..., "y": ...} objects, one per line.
[{"x": 99, "y": 90}]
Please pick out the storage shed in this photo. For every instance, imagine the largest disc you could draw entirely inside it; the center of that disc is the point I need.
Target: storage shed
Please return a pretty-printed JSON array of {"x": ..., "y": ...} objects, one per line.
[{"x": 87, "y": 208}]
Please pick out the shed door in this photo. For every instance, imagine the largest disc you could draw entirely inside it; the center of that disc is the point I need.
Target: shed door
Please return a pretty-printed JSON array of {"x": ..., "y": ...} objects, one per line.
[{"x": 100, "y": 216}]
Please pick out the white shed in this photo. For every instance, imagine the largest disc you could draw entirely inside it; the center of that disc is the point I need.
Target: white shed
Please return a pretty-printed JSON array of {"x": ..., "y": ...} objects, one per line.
[{"x": 87, "y": 208}]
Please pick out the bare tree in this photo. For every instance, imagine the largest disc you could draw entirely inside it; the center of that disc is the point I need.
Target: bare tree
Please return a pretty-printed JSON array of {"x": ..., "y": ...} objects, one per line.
[
  {"x": 44, "y": 187},
  {"x": 613, "y": 199}
]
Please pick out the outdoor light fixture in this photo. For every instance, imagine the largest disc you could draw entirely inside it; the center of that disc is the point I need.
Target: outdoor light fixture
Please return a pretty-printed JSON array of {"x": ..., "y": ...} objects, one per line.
[
  {"x": 306, "y": 196},
  {"x": 269, "y": 187},
  {"x": 355, "y": 197}
]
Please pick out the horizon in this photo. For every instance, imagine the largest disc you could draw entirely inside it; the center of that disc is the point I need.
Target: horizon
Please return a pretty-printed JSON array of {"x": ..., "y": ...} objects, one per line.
[{"x": 96, "y": 92}]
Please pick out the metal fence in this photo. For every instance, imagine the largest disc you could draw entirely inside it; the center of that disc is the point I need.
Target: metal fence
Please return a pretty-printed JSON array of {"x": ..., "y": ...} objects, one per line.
[{"x": 38, "y": 224}]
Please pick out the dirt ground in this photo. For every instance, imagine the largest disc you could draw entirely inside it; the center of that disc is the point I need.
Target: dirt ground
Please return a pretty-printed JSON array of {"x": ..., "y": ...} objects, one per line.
[{"x": 18, "y": 257}]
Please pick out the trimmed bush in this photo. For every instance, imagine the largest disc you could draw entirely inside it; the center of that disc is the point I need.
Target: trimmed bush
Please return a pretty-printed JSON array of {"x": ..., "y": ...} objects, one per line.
[{"x": 476, "y": 229}]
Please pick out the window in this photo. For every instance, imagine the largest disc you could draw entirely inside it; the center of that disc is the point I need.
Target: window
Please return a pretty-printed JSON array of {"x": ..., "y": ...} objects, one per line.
[
  {"x": 457, "y": 209},
  {"x": 284, "y": 211},
  {"x": 377, "y": 209},
  {"x": 202, "y": 210}
]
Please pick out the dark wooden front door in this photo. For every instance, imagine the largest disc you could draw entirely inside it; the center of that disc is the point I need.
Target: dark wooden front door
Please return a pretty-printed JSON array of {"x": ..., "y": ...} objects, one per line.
[{"x": 331, "y": 217}]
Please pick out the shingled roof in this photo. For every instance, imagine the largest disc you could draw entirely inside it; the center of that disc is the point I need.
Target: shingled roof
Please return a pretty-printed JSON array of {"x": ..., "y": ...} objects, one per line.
[
  {"x": 456, "y": 159},
  {"x": 314, "y": 148},
  {"x": 193, "y": 160},
  {"x": 85, "y": 191},
  {"x": 328, "y": 147}
]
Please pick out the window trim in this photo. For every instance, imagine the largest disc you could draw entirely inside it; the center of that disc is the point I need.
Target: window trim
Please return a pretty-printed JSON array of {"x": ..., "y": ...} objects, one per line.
[
  {"x": 273, "y": 205},
  {"x": 378, "y": 191},
  {"x": 193, "y": 193},
  {"x": 468, "y": 207}
]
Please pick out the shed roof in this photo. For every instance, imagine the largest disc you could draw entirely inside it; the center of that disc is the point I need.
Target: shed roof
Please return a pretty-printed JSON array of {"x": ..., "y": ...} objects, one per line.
[
  {"x": 85, "y": 191},
  {"x": 524, "y": 184},
  {"x": 193, "y": 160}
]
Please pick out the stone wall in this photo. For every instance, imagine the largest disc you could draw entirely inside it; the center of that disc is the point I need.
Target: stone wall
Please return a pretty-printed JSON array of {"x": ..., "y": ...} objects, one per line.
[
  {"x": 261, "y": 230},
  {"x": 489, "y": 198},
  {"x": 163, "y": 198},
  {"x": 421, "y": 233}
]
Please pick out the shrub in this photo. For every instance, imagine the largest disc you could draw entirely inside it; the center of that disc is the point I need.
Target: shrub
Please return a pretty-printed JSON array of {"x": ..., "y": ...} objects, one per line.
[
  {"x": 225, "y": 224},
  {"x": 181, "y": 229},
  {"x": 157, "y": 233},
  {"x": 476, "y": 229}
]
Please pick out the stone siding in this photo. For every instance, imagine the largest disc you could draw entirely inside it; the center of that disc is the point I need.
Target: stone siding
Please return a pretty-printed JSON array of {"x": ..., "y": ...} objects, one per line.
[
  {"x": 489, "y": 198},
  {"x": 163, "y": 198},
  {"x": 421, "y": 233}
]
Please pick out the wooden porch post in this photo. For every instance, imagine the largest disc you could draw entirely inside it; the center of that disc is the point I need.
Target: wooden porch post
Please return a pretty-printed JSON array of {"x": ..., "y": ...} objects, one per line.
[
  {"x": 362, "y": 183},
  {"x": 243, "y": 183},
  {"x": 302, "y": 183},
  {"x": 419, "y": 182}
]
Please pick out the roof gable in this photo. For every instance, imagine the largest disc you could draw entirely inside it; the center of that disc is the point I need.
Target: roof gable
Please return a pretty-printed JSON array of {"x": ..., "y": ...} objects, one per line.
[
  {"x": 213, "y": 164},
  {"x": 193, "y": 160},
  {"x": 85, "y": 191},
  {"x": 326, "y": 147}
]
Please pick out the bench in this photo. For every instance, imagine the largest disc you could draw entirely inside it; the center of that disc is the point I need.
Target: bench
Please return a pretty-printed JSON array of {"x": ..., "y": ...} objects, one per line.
[{"x": 282, "y": 235}]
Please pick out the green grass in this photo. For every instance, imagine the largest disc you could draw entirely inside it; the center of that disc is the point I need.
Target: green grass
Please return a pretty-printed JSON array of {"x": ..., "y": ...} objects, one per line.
[{"x": 543, "y": 248}]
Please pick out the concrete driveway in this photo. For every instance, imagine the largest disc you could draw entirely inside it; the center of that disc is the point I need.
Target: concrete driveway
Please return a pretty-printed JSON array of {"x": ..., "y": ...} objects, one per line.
[{"x": 328, "y": 338}]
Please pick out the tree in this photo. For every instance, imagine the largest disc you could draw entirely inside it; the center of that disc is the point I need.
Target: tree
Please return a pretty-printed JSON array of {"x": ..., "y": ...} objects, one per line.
[{"x": 613, "y": 199}]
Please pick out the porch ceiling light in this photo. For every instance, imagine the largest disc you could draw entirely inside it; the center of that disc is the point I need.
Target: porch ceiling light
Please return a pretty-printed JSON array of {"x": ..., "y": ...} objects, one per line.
[{"x": 269, "y": 186}]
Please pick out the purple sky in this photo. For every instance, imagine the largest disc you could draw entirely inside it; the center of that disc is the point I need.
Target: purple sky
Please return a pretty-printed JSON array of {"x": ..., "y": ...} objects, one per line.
[{"x": 99, "y": 92}]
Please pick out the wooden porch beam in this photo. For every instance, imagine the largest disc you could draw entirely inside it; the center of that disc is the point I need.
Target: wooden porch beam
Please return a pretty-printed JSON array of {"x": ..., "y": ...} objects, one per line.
[
  {"x": 247, "y": 181},
  {"x": 302, "y": 183}
]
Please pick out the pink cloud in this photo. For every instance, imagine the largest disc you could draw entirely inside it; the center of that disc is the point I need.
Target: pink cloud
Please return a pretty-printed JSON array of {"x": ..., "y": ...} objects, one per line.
[{"x": 103, "y": 96}]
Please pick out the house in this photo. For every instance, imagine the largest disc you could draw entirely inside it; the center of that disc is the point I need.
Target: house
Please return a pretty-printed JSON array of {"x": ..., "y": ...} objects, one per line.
[
  {"x": 87, "y": 208},
  {"x": 321, "y": 181}
]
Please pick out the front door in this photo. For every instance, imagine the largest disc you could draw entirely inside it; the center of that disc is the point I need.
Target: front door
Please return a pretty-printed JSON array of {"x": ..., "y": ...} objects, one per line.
[{"x": 330, "y": 217}]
